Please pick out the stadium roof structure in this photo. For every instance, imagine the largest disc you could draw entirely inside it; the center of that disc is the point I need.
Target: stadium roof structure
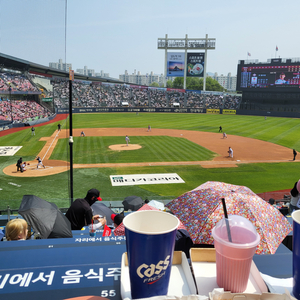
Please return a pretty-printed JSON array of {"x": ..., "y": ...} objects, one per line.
[{"x": 13, "y": 63}]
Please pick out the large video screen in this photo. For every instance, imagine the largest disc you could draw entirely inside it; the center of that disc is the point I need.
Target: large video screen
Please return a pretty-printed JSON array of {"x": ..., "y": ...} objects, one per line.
[{"x": 280, "y": 76}]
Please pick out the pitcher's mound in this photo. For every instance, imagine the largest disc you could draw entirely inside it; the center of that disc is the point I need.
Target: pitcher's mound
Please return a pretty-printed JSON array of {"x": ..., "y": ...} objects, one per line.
[{"x": 121, "y": 147}]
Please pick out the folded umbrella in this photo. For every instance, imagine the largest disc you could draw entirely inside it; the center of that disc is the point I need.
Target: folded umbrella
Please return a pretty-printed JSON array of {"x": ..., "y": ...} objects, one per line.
[{"x": 133, "y": 203}]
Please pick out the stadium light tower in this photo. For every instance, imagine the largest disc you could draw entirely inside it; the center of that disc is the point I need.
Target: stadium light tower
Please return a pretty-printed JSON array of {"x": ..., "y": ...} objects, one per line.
[{"x": 187, "y": 44}]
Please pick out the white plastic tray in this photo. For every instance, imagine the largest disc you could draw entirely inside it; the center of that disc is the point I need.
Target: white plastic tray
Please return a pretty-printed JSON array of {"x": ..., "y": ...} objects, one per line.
[
  {"x": 181, "y": 279},
  {"x": 203, "y": 261}
]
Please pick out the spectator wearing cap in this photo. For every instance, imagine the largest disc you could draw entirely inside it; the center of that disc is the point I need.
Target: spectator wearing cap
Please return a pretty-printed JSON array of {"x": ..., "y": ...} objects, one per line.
[
  {"x": 80, "y": 213},
  {"x": 117, "y": 219}
]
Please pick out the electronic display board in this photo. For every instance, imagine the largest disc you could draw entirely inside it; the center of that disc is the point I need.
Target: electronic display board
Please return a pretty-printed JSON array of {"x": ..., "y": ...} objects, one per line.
[{"x": 269, "y": 76}]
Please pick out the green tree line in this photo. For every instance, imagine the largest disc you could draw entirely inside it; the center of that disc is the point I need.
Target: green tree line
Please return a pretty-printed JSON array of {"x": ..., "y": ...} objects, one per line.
[{"x": 193, "y": 83}]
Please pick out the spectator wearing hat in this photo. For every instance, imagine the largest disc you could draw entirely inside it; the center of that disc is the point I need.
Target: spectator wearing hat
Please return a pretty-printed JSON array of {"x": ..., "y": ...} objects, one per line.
[
  {"x": 117, "y": 219},
  {"x": 80, "y": 213}
]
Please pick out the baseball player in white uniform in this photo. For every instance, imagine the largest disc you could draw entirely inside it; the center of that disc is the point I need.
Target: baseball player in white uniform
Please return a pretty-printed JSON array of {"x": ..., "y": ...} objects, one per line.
[{"x": 127, "y": 140}]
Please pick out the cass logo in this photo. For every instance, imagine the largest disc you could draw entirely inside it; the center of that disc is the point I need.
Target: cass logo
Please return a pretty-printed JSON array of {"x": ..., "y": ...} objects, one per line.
[{"x": 153, "y": 272}]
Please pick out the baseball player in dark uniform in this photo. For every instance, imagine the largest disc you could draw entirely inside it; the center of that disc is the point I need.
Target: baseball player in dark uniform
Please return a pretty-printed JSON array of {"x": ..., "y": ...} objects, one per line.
[
  {"x": 39, "y": 162},
  {"x": 19, "y": 165}
]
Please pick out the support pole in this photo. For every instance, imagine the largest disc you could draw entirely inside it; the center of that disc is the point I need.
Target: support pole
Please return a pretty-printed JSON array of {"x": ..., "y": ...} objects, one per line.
[
  {"x": 185, "y": 60},
  {"x": 205, "y": 62},
  {"x": 71, "y": 140},
  {"x": 166, "y": 61}
]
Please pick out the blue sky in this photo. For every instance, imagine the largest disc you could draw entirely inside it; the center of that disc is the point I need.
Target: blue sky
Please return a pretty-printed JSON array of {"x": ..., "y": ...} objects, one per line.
[{"x": 119, "y": 35}]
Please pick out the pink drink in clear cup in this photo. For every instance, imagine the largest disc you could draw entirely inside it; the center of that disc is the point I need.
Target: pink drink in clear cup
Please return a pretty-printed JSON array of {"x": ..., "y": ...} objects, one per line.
[{"x": 233, "y": 259}]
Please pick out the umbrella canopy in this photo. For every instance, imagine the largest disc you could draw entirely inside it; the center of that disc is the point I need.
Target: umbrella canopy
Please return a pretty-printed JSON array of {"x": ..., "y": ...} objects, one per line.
[
  {"x": 201, "y": 209},
  {"x": 157, "y": 204},
  {"x": 120, "y": 230},
  {"x": 44, "y": 217},
  {"x": 100, "y": 208},
  {"x": 133, "y": 203}
]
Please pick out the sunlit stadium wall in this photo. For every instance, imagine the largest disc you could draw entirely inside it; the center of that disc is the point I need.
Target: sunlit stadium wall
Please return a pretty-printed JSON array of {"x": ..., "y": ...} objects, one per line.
[{"x": 252, "y": 112}]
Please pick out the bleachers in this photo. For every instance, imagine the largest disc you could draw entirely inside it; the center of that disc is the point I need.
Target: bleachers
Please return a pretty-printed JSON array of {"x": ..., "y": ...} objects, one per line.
[
  {"x": 22, "y": 111},
  {"x": 112, "y": 95},
  {"x": 96, "y": 94},
  {"x": 17, "y": 81}
]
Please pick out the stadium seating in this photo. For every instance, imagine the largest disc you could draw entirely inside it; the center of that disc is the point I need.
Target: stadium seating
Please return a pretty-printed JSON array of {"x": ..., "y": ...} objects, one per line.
[
  {"x": 95, "y": 94},
  {"x": 22, "y": 111}
]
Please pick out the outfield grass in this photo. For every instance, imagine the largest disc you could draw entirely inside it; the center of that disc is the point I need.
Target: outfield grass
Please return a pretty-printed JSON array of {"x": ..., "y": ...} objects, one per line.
[{"x": 55, "y": 188}]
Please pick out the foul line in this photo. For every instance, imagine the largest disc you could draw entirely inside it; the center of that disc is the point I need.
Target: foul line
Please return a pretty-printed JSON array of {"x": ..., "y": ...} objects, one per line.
[{"x": 50, "y": 146}]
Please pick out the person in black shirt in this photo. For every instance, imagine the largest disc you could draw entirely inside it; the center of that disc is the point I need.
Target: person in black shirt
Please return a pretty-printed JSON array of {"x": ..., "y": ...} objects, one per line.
[
  {"x": 80, "y": 213},
  {"x": 294, "y": 153},
  {"x": 19, "y": 164}
]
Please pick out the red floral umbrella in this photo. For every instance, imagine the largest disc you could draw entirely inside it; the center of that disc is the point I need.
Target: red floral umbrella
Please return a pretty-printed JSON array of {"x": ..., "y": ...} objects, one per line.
[
  {"x": 201, "y": 209},
  {"x": 120, "y": 230}
]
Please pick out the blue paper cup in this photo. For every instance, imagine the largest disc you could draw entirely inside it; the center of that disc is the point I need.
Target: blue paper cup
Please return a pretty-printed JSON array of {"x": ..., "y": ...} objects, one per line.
[
  {"x": 150, "y": 240},
  {"x": 296, "y": 253}
]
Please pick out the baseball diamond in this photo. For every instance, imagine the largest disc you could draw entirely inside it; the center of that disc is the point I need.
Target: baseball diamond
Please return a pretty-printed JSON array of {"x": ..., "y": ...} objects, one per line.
[{"x": 246, "y": 150}]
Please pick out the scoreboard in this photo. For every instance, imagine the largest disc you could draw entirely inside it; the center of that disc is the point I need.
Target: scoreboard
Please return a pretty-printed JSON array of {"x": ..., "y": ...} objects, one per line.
[{"x": 276, "y": 76}]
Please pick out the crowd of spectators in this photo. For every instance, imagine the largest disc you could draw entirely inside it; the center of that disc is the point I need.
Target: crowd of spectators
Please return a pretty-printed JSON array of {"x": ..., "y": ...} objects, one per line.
[
  {"x": 115, "y": 95},
  {"x": 22, "y": 111},
  {"x": 232, "y": 102},
  {"x": 17, "y": 82},
  {"x": 88, "y": 94},
  {"x": 158, "y": 98}
]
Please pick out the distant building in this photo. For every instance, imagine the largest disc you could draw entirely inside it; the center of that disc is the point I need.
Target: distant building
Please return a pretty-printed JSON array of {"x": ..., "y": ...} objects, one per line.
[
  {"x": 85, "y": 71},
  {"x": 60, "y": 65},
  {"x": 227, "y": 82},
  {"x": 91, "y": 72},
  {"x": 139, "y": 79},
  {"x": 102, "y": 74}
]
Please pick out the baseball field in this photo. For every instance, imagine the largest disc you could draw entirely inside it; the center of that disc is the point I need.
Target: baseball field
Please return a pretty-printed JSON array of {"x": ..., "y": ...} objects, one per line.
[{"x": 187, "y": 144}]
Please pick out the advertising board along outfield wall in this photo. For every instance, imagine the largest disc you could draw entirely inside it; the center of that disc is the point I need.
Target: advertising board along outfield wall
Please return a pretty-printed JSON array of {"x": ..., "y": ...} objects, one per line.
[{"x": 77, "y": 110}]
